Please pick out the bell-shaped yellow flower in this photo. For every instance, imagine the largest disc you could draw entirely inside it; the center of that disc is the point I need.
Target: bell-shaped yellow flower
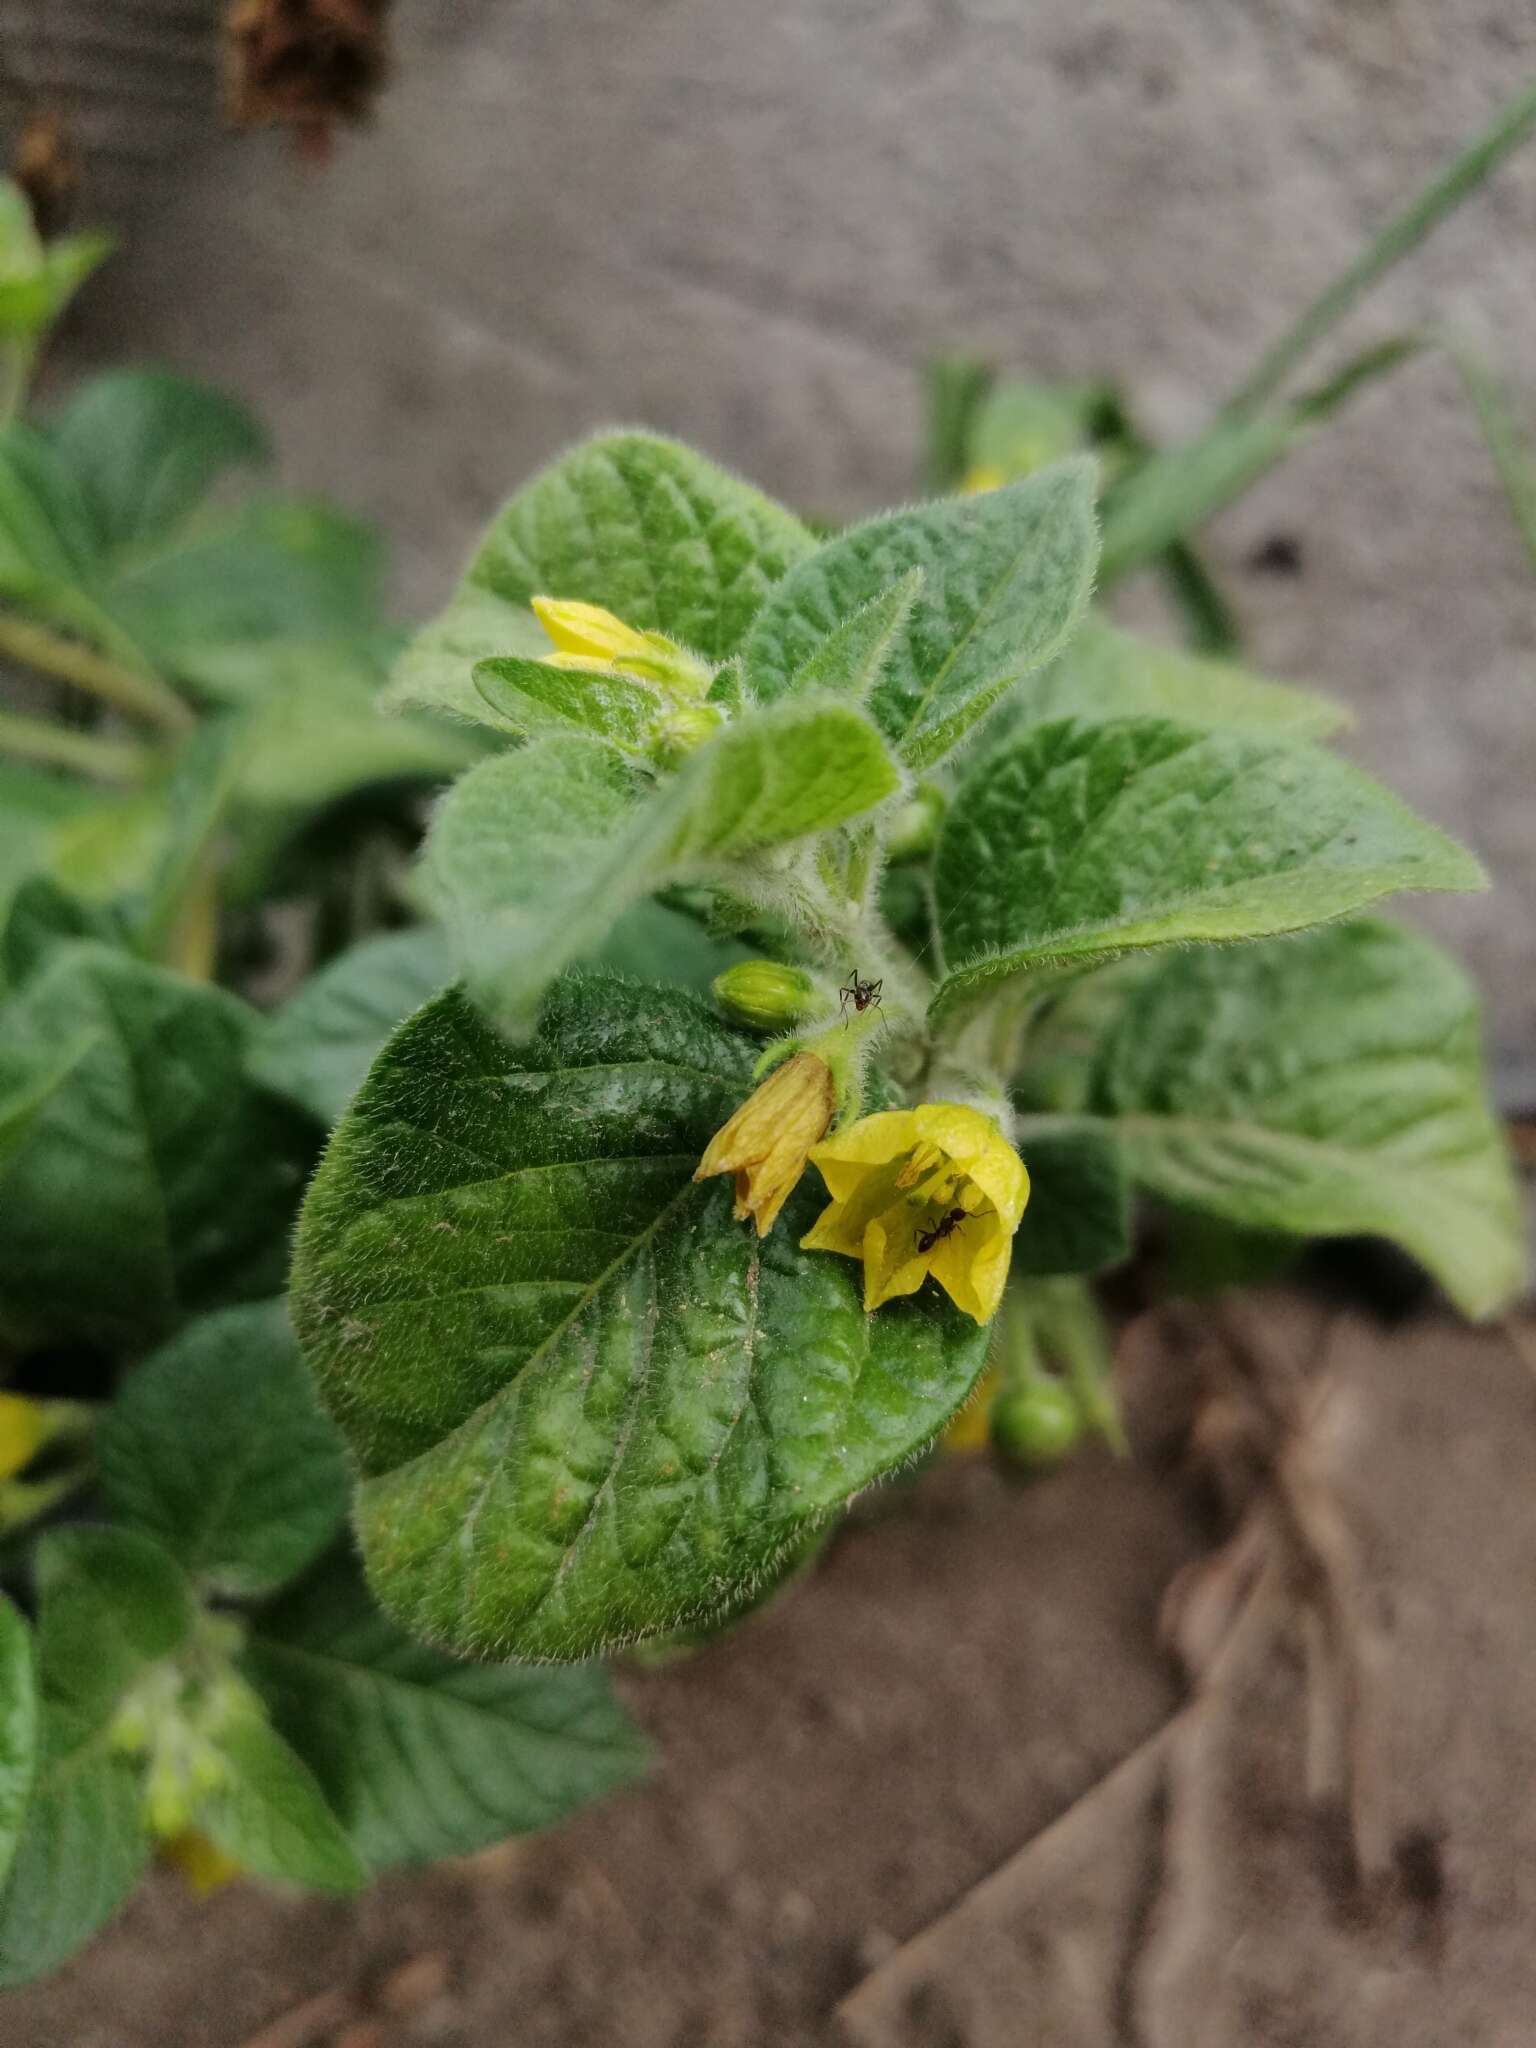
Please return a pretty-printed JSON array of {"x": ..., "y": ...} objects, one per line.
[
  {"x": 587, "y": 637},
  {"x": 766, "y": 1142},
  {"x": 937, "y": 1189}
]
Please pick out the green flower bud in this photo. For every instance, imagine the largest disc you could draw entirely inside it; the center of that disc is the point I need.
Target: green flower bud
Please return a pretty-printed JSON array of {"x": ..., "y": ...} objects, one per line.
[
  {"x": 764, "y": 995},
  {"x": 916, "y": 827},
  {"x": 167, "y": 1807},
  {"x": 682, "y": 727}
]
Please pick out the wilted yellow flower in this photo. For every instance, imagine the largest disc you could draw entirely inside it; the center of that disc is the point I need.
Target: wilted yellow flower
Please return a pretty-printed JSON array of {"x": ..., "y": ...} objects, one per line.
[
  {"x": 937, "y": 1189},
  {"x": 202, "y": 1863},
  {"x": 766, "y": 1142},
  {"x": 587, "y": 637}
]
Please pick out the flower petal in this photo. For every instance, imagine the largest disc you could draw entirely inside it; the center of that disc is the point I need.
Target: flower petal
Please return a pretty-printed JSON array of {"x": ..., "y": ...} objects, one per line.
[{"x": 892, "y": 1266}]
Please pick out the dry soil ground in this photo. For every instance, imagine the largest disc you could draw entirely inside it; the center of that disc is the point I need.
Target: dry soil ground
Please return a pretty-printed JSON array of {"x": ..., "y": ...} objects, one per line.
[{"x": 953, "y": 1790}]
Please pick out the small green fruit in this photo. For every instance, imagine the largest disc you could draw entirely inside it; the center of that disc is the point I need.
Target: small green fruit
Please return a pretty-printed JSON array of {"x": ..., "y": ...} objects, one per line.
[{"x": 1037, "y": 1426}]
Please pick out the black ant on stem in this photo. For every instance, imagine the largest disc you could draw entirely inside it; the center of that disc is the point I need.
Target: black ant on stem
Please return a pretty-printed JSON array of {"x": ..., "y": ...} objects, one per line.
[
  {"x": 864, "y": 995},
  {"x": 945, "y": 1227}
]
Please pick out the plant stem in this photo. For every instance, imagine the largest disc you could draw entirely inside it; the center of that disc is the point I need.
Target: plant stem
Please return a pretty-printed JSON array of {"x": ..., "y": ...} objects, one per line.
[
  {"x": 1511, "y": 447},
  {"x": 140, "y": 695},
  {"x": 39, "y": 739},
  {"x": 1457, "y": 181},
  {"x": 15, "y": 369}
]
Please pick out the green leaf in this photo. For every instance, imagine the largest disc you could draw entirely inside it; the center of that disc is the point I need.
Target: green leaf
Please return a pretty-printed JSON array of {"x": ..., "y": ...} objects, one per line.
[
  {"x": 154, "y": 1181},
  {"x": 529, "y": 697},
  {"x": 638, "y": 524},
  {"x": 529, "y": 861},
  {"x": 534, "y": 854},
  {"x": 82, "y": 1849},
  {"x": 269, "y": 1814},
  {"x": 1324, "y": 1086},
  {"x": 146, "y": 446},
  {"x": 41, "y": 917},
  {"x": 850, "y": 658},
  {"x": 1079, "y": 1214},
  {"x": 436, "y": 672},
  {"x": 217, "y": 1447},
  {"x": 316, "y": 733},
  {"x": 37, "y": 279},
  {"x": 32, "y": 807},
  {"x": 1076, "y": 841},
  {"x": 18, "y": 1729},
  {"x": 1106, "y": 673},
  {"x": 29, "y": 1078},
  {"x": 653, "y": 942},
  {"x": 272, "y": 568},
  {"x": 422, "y": 1756},
  {"x": 47, "y": 533},
  {"x": 589, "y": 1406},
  {"x": 1006, "y": 576},
  {"x": 113, "y": 1602},
  {"x": 316, "y": 1049}
]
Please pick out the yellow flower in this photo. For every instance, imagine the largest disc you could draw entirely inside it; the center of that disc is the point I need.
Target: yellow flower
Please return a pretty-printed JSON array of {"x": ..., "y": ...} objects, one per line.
[
  {"x": 937, "y": 1189},
  {"x": 766, "y": 1142},
  {"x": 986, "y": 476},
  {"x": 202, "y": 1863},
  {"x": 587, "y": 637},
  {"x": 23, "y": 1431}
]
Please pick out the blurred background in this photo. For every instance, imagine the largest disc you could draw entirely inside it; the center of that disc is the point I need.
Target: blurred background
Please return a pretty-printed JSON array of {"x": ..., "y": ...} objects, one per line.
[{"x": 752, "y": 227}]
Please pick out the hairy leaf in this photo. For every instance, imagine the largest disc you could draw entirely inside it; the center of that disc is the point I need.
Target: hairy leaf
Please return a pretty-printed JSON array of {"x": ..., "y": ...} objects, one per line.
[
  {"x": 638, "y": 524},
  {"x": 422, "y": 1756},
  {"x": 589, "y": 1406},
  {"x": 436, "y": 671},
  {"x": 850, "y": 658},
  {"x": 1006, "y": 576},
  {"x": 534, "y": 854},
  {"x": 1076, "y": 841},
  {"x": 1106, "y": 673},
  {"x": 1322, "y": 1086},
  {"x": 217, "y": 1447},
  {"x": 529, "y": 697}
]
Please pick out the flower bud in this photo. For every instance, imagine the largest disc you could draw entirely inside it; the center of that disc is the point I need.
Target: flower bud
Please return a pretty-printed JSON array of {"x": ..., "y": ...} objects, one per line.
[
  {"x": 916, "y": 827},
  {"x": 764, "y": 995},
  {"x": 585, "y": 636}
]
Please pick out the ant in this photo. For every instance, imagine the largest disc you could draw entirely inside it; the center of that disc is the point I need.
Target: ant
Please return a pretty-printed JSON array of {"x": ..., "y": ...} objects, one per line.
[
  {"x": 864, "y": 995},
  {"x": 945, "y": 1227}
]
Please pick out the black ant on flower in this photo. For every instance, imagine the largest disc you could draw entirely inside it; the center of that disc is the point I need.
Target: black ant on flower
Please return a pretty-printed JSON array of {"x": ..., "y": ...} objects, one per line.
[
  {"x": 945, "y": 1227},
  {"x": 864, "y": 995}
]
